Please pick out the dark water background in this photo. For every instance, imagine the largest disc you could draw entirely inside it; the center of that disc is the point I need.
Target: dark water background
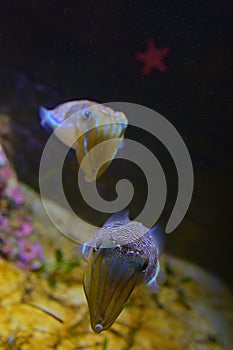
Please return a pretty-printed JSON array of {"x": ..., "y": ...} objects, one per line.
[{"x": 55, "y": 51}]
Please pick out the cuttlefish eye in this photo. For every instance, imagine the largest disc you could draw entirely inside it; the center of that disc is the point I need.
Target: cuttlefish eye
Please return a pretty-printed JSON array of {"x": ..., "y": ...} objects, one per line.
[
  {"x": 87, "y": 113},
  {"x": 96, "y": 248},
  {"x": 145, "y": 265}
]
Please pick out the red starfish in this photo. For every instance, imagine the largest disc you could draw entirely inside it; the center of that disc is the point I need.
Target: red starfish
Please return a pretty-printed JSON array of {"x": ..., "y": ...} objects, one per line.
[{"x": 153, "y": 58}]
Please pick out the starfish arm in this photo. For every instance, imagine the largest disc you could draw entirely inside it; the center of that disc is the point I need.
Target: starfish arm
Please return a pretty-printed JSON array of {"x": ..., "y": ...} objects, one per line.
[
  {"x": 151, "y": 46},
  {"x": 147, "y": 69},
  {"x": 162, "y": 67},
  {"x": 164, "y": 51},
  {"x": 140, "y": 56}
]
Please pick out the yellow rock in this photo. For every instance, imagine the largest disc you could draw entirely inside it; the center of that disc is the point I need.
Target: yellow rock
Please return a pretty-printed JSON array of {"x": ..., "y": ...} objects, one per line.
[{"x": 189, "y": 313}]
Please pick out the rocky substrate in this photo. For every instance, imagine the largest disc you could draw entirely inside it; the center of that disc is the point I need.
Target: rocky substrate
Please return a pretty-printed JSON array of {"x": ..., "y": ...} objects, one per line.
[{"x": 193, "y": 311}]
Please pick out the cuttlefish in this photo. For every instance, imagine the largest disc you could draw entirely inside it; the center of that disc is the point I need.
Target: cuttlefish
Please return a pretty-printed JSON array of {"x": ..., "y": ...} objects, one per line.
[
  {"x": 84, "y": 124},
  {"x": 120, "y": 256}
]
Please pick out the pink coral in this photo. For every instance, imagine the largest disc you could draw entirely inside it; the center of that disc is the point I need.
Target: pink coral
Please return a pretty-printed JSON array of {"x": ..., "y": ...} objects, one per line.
[
  {"x": 29, "y": 253},
  {"x": 4, "y": 223},
  {"x": 15, "y": 224},
  {"x": 6, "y": 173},
  {"x": 25, "y": 229},
  {"x": 15, "y": 193}
]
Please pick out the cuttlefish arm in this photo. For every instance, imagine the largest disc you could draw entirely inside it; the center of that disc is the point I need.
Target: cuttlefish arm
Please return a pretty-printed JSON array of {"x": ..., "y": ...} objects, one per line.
[
  {"x": 65, "y": 130},
  {"x": 110, "y": 279},
  {"x": 47, "y": 120}
]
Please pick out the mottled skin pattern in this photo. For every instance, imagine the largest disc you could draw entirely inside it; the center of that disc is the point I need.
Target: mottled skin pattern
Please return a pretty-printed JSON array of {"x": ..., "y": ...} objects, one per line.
[
  {"x": 133, "y": 237},
  {"x": 65, "y": 110}
]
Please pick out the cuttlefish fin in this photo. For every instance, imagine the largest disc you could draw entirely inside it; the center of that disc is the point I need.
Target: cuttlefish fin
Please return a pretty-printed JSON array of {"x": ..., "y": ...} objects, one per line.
[
  {"x": 118, "y": 219},
  {"x": 82, "y": 251},
  {"x": 159, "y": 278},
  {"x": 158, "y": 236},
  {"x": 153, "y": 286}
]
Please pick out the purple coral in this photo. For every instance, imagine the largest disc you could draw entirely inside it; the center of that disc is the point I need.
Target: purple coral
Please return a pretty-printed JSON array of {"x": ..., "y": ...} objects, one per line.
[
  {"x": 16, "y": 194},
  {"x": 23, "y": 227},
  {"x": 30, "y": 254},
  {"x": 16, "y": 226}
]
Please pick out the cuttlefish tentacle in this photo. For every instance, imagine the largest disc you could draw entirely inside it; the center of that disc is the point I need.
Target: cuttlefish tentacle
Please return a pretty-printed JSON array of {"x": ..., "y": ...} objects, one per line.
[{"x": 120, "y": 256}]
